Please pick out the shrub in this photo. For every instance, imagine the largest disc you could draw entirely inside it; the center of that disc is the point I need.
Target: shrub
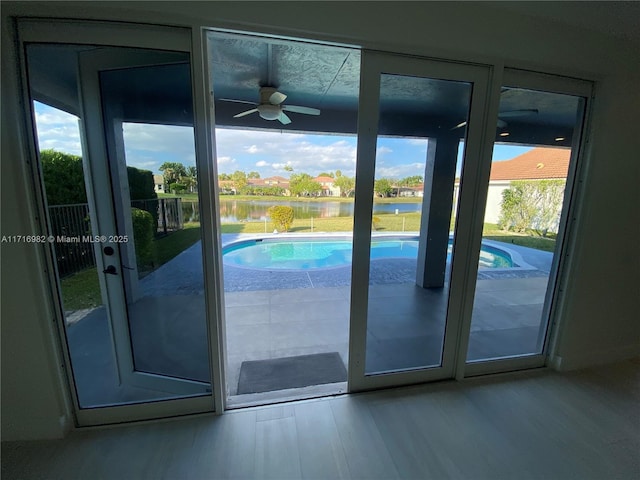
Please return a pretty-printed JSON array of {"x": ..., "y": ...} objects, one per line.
[
  {"x": 143, "y": 232},
  {"x": 63, "y": 178},
  {"x": 532, "y": 205},
  {"x": 282, "y": 216},
  {"x": 178, "y": 188},
  {"x": 141, "y": 186}
]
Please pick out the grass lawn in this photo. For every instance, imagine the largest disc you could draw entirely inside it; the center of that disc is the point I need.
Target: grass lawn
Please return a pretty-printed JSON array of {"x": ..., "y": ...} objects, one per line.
[
  {"x": 493, "y": 232},
  {"x": 82, "y": 290},
  {"x": 168, "y": 247},
  {"x": 386, "y": 222}
]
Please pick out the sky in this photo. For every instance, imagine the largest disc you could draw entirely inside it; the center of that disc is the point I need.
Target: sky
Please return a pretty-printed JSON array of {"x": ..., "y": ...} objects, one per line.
[{"x": 266, "y": 152}]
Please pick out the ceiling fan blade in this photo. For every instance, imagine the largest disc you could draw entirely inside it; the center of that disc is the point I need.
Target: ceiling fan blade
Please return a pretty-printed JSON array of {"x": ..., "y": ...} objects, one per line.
[
  {"x": 299, "y": 109},
  {"x": 277, "y": 98},
  {"x": 518, "y": 113},
  {"x": 248, "y": 112},
  {"x": 284, "y": 119},
  {"x": 236, "y": 101},
  {"x": 461, "y": 124}
]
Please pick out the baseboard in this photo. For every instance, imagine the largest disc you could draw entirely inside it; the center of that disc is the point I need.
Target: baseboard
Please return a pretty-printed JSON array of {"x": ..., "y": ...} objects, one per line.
[{"x": 594, "y": 358}]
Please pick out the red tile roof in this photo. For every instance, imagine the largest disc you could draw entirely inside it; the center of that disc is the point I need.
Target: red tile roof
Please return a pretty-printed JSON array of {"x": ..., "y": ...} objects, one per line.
[
  {"x": 324, "y": 179},
  {"x": 536, "y": 164}
]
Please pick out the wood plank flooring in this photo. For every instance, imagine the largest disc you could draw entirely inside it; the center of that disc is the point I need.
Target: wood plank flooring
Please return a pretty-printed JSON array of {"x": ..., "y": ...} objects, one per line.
[{"x": 534, "y": 425}]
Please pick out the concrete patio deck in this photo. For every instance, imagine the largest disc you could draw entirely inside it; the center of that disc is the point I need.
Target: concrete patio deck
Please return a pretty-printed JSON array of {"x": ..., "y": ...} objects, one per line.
[{"x": 281, "y": 314}]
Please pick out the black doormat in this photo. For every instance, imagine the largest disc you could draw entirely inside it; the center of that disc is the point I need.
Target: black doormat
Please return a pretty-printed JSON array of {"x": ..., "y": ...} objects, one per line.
[{"x": 258, "y": 376}]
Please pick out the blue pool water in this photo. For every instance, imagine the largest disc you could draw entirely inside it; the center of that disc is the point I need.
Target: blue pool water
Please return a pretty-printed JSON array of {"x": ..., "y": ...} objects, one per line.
[{"x": 305, "y": 254}]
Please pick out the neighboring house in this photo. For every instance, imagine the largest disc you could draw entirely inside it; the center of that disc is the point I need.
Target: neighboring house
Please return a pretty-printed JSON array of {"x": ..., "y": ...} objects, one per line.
[
  {"x": 275, "y": 181},
  {"x": 329, "y": 189},
  {"x": 415, "y": 191},
  {"x": 158, "y": 184},
  {"x": 542, "y": 163},
  {"x": 226, "y": 187}
]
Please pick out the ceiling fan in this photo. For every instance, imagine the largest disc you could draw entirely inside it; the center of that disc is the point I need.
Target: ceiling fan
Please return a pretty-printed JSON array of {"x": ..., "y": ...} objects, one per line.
[
  {"x": 271, "y": 107},
  {"x": 523, "y": 112}
]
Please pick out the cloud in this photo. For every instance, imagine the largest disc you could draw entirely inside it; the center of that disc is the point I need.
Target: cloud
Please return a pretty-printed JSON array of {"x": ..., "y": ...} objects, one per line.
[
  {"x": 57, "y": 130},
  {"x": 148, "y": 146},
  {"x": 170, "y": 139},
  {"x": 306, "y": 153},
  {"x": 400, "y": 171}
]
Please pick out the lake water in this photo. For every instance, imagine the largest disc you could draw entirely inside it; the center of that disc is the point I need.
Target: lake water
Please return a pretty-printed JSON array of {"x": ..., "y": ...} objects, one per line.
[{"x": 233, "y": 211}]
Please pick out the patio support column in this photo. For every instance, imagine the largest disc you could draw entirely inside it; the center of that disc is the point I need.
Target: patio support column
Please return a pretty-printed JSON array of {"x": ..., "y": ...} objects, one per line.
[{"x": 439, "y": 178}]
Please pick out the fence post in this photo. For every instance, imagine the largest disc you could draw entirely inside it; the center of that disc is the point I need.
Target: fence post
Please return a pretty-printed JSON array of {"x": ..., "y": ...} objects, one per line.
[
  {"x": 180, "y": 215},
  {"x": 164, "y": 215}
]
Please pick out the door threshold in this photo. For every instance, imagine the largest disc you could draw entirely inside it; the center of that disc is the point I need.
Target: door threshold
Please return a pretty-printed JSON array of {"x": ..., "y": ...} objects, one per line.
[{"x": 287, "y": 395}]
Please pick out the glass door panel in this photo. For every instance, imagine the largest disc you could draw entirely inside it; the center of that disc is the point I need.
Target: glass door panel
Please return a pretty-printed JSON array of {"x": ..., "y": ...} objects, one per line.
[
  {"x": 413, "y": 137},
  {"x": 523, "y": 222},
  {"x": 128, "y": 262},
  {"x": 411, "y": 248},
  {"x": 287, "y": 276}
]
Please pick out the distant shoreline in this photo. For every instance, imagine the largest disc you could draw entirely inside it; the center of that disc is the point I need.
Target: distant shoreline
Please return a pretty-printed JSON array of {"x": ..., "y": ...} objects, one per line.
[{"x": 273, "y": 198}]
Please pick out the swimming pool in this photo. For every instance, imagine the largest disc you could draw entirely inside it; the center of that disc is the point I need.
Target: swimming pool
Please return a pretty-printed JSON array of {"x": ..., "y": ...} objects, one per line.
[{"x": 317, "y": 253}]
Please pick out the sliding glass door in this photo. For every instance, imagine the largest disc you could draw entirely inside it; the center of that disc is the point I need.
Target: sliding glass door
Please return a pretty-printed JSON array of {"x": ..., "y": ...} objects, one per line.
[
  {"x": 419, "y": 123},
  {"x": 534, "y": 163},
  {"x": 432, "y": 262}
]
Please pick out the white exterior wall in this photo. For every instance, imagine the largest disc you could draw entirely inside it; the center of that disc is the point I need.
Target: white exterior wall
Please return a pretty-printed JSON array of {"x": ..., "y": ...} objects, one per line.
[{"x": 494, "y": 199}]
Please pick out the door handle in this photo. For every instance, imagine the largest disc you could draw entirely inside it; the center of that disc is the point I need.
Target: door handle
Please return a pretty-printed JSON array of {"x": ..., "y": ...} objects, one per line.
[{"x": 111, "y": 270}]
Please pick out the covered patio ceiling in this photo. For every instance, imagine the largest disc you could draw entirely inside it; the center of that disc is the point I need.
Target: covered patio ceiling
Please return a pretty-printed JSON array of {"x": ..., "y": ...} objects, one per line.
[{"x": 311, "y": 75}]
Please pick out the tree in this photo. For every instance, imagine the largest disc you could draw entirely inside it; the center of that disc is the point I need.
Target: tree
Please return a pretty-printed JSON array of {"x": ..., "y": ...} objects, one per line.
[
  {"x": 338, "y": 173},
  {"x": 383, "y": 187},
  {"x": 239, "y": 179},
  {"x": 288, "y": 168},
  {"x": 412, "y": 181},
  {"x": 326, "y": 174},
  {"x": 253, "y": 175},
  {"x": 346, "y": 184},
  {"x": 190, "y": 179},
  {"x": 282, "y": 216},
  {"x": 303, "y": 184},
  {"x": 63, "y": 178},
  {"x": 224, "y": 176},
  {"x": 172, "y": 172}
]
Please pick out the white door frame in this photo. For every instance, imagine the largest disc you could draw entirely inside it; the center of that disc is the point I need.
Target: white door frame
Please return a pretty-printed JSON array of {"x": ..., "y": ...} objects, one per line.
[
  {"x": 143, "y": 37},
  {"x": 373, "y": 65}
]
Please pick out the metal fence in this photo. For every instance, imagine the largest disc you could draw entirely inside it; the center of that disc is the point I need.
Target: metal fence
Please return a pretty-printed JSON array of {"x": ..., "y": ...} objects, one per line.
[
  {"x": 168, "y": 211},
  {"x": 70, "y": 223}
]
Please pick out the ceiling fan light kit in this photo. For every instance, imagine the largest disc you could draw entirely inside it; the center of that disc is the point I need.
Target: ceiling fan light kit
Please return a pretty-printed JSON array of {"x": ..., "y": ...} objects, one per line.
[{"x": 271, "y": 108}]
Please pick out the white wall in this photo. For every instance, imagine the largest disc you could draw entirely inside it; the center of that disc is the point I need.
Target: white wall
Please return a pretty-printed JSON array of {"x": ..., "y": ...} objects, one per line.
[
  {"x": 602, "y": 302},
  {"x": 34, "y": 402},
  {"x": 494, "y": 199}
]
